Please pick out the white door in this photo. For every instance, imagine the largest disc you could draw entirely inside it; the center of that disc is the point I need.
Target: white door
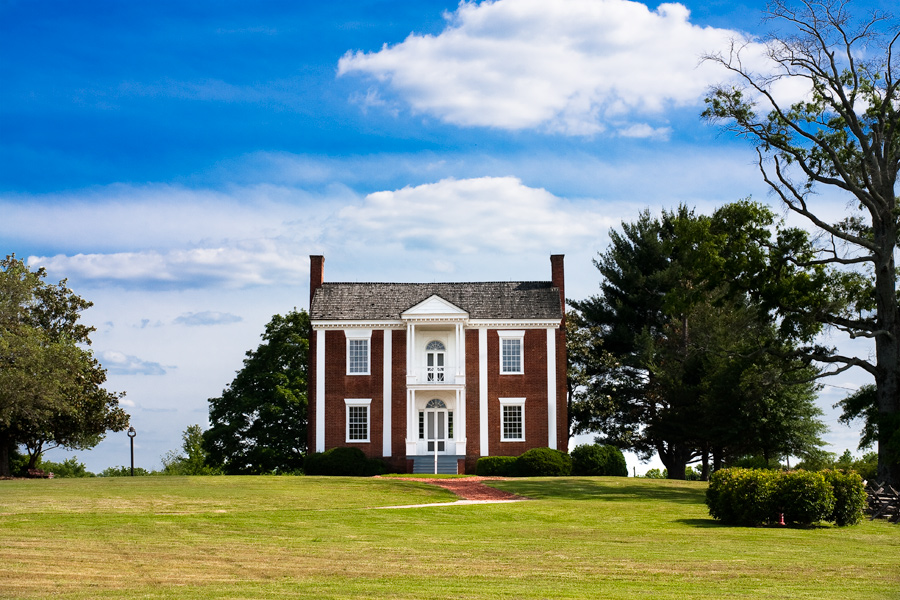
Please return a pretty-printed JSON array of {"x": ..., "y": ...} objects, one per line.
[
  {"x": 434, "y": 362},
  {"x": 436, "y": 429}
]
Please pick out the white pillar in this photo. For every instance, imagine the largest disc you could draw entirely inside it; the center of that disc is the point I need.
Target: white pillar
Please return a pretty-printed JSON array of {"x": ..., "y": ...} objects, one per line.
[
  {"x": 551, "y": 388},
  {"x": 320, "y": 390},
  {"x": 483, "y": 391},
  {"x": 386, "y": 395}
]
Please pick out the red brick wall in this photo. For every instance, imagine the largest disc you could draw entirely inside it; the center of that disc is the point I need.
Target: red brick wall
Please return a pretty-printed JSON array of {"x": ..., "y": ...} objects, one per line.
[
  {"x": 398, "y": 398},
  {"x": 340, "y": 386},
  {"x": 473, "y": 413}
]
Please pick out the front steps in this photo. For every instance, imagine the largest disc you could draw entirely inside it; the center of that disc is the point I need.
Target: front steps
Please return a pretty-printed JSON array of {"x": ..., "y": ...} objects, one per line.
[{"x": 447, "y": 464}]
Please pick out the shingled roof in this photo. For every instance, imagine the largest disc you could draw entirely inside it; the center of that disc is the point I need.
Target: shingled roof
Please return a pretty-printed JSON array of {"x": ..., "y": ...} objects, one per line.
[{"x": 387, "y": 301}]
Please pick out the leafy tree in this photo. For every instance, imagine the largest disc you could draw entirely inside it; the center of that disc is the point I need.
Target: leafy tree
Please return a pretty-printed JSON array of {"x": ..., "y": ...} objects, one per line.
[
  {"x": 193, "y": 461},
  {"x": 67, "y": 468},
  {"x": 844, "y": 135},
  {"x": 258, "y": 425},
  {"x": 51, "y": 386},
  {"x": 685, "y": 366}
]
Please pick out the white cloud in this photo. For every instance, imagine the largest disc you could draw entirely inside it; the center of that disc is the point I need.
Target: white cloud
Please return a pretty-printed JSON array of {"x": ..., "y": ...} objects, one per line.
[
  {"x": 207, "y": 317},
  {"x": 119, "y": 363},
  {"x": 575, "y": 67},
  {"x": 471, "y": 215}
]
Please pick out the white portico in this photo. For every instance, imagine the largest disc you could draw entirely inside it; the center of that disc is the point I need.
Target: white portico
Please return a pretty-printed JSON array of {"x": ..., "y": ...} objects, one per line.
[{"x": 435, "y": 378}]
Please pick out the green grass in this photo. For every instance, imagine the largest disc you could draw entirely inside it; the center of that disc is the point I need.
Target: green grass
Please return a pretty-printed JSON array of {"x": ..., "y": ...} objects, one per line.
[{"x": 311, "y": 537}]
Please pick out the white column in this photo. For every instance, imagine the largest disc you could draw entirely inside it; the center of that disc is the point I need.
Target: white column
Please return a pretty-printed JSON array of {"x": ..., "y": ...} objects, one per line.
[
  {"x": 320, "y": 390},
  {"x": 483, "y": 391},
  {"x": 386, "y": 429},
  {"x": 551, "y": 388}
]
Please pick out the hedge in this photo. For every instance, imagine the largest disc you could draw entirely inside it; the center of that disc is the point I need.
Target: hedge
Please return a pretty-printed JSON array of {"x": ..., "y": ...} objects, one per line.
[
  {"x": 755, "y": 496},
  {"x": 597, "y": 460},
  {"x": 537, "y": 462},
  {"x": 496, "y": 466},
  {"x": 342, "y": 461}
]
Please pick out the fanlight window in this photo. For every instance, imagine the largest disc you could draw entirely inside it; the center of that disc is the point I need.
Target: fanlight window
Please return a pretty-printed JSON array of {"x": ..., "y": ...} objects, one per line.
[
  {"x": 434, "y": 361},
  {"x": 435, "y": 403}
]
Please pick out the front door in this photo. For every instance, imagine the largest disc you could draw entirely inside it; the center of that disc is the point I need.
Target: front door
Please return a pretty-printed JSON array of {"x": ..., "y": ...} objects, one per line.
[{"x": 436, "y": 428}]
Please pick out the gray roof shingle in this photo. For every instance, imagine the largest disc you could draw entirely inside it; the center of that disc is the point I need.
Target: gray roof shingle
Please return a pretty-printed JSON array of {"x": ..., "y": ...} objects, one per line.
[{"x": 488, "y": 300}]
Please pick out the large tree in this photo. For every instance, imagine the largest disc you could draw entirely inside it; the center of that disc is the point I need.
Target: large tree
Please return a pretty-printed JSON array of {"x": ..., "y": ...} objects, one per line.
[
  {"x": 51, "y": 386},
  {"x": 686, "y": 367},
  {"x": 258, "y": 424},
  {"x": 843, "y": 135}
]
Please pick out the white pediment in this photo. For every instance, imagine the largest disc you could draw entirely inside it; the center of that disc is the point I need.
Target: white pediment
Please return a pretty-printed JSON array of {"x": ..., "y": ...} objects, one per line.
[{"x": 435, "y": 306}]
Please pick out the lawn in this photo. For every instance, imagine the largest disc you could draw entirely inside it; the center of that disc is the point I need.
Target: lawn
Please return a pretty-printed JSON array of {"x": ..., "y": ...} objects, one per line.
[{"x": 312, "y": 537}]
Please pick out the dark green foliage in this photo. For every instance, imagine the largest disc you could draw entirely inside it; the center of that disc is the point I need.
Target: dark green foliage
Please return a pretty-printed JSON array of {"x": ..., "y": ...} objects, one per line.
[
  {"x": 804, "y": 497},
  {"x": 124, "y": 472},
  {"x": 258, "y": 425},
  {"x": 849, "y": 496},
  {"x": 755, "y": 496},
  {"x": 51, "y": 386},
  {"x": 346, "y": 461},
  {"x": 496, "y": 466},
  {"x": 68, "y": 468},
  {"x": 595, "y": 459},
  {"x": 543, "y": 462},
  {"x": 740, "y": 496}
]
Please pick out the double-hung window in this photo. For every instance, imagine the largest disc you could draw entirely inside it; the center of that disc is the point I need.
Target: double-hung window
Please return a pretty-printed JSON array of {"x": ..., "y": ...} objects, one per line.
[
  {"x": 511, "y": 352},
  {"x": 512, "y": 419},
  {"x": 358, "y": 419},
  {"x": 359, "y": 355}
]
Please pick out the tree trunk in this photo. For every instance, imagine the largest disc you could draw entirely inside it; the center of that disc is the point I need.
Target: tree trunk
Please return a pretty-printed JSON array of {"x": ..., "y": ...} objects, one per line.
[
  {"x": 5, "y": 445},
  {"x": 887, "y": 353},
  {"x": 675, "y": 458},
  {"x": 704, "y": 469}
]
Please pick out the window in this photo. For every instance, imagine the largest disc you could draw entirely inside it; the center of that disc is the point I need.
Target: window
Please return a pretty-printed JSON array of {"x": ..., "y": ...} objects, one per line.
[
  {"x": 434, "y": 361},
  {"x": 357, "y": 419},
  {"x": 358, "y": 355},
  {"x": 511, "y": 343},
  {"x": 512, "y": 419}
]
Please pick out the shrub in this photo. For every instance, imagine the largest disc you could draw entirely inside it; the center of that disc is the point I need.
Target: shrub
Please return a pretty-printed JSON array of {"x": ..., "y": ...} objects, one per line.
[
  {"x": 123, "y": 472},
  {"x": 803, "y": 496},
  {"x": 342, "y": 461},
  {"x": 691, "y": 474},
  {"x": 656, "y": 474},
  {"x": 594, "y": 459},
  {"x": 68, "y": 468},
  {"x": 741, "y": 496},
  {"x": 543, "y": 462},
  {"x": 849, "y": 497},
  {"x": 496, "y": 466}
]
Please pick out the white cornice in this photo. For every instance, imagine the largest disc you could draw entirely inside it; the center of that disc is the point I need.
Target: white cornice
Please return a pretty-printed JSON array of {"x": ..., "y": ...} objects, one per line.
[
  {"x": 358, "y": 325},
  {"x": 467, "y": 323},
  {"x": 513, "y": 324}
]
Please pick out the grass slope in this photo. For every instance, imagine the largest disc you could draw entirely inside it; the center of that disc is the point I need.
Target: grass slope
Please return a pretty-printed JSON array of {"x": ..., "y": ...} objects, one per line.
[{"x": 310, "y": 537}]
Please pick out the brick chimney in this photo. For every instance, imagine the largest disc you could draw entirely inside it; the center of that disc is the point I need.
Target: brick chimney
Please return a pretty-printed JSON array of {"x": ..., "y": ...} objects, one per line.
[
  {"x": 316, "y": 275},
  {"x": 558, "y": 278}
]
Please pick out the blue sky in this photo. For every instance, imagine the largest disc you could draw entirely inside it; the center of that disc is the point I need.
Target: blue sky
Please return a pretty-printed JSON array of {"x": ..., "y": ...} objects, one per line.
[{"x": 178, "y": 162}]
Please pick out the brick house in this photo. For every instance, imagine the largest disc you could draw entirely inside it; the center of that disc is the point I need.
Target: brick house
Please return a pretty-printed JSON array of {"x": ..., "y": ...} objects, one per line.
[{"x": 431, "y": 376}]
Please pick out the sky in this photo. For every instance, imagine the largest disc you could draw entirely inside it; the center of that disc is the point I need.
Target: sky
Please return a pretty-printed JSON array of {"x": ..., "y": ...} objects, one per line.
[{"x": 178, "y": 162}]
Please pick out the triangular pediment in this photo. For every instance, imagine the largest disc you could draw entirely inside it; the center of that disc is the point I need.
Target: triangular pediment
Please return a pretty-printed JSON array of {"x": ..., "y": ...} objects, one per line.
[{"x": 435, "y": 306}]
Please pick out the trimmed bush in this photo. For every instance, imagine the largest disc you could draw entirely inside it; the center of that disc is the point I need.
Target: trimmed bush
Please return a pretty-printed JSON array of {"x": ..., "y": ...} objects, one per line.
[
  {"x": 849, "y": 496},
  {"x": 756, "y": 496},
  {"x": 342, "y": 461},
  {"x": 496, "y": 466},
  {"x": 804, "y": 497},
  {"x": 543, "y": 462},
  {"x": 597, "y": 460},
  {"x": 740, "y": 496}
]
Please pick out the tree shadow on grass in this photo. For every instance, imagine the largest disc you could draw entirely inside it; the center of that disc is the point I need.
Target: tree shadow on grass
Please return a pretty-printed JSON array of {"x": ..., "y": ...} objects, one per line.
[{"x": 604, "y": 488}]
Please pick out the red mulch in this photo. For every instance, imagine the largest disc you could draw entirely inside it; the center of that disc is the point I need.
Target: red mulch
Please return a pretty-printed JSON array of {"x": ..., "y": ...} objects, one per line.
[{"x": 470, "y": 488}]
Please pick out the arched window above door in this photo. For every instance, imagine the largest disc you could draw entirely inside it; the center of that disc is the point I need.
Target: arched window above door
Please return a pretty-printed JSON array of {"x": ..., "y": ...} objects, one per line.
[
  {"x": 435, "y": 403},
  {"x": 435, "y": 345}
]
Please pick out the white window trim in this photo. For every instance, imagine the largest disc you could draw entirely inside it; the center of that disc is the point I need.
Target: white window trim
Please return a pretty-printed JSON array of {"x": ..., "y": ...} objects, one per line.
[
  {"x": 367, "y": 403},
  {"x": 360, "y": 334},
  {"x": 511, "y": 402},
  {"x": 518, "y": 334}
]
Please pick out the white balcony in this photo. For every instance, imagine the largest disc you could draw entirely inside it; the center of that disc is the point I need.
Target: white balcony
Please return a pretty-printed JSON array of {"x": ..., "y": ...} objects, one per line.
[{"x": 437, "y": 375}]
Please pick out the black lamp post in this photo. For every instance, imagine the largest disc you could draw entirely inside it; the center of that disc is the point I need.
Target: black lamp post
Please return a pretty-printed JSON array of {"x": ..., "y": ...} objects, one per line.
[{"x": 131, "y": 434}]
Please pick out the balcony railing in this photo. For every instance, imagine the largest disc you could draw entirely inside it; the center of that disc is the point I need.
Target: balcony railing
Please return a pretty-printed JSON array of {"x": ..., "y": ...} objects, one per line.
[{"x": 435, "y": 375}]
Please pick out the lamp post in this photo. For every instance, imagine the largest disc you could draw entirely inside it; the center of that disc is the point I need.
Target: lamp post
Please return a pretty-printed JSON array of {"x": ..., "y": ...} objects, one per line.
[{"x": 131, "y": 434}]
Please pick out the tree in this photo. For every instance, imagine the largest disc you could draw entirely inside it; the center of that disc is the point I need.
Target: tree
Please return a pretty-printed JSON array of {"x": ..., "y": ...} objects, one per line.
[
  {"x": 845, "y": 135},
  {"x": 258, "y": 425},
  {"x": 193, "y": 458},
  {"x": 51, "y": 386},
  {"x": 684, "y": 366}
]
